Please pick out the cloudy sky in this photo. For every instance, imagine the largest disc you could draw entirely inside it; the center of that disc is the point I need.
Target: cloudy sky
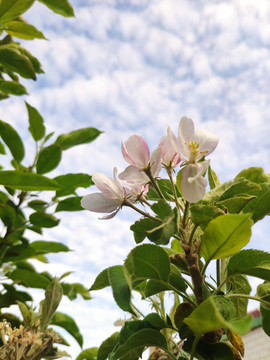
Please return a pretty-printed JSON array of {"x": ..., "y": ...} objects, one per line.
[{"x": 136, "y": 66}]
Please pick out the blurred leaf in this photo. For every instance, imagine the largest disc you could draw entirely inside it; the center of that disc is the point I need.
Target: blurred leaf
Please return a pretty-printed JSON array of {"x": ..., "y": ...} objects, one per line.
[
  {"x": 61, "y": 7},
  {"x": 88, "y": 354},
  {"x": 260, "y": 206},
  {"x": 70, "y": 204},
  {"x": 15, "y": 61},
  {"x": 36, "y": 126},
  {"x": 250, "y": 262},
  {"x": 41, "y": 219},
  {"x": 53, "y": 296},
  {"x": 239, "y": 284},
  {"x": 29, "y": 278},
  {"x": 7, "y": 215},
  {"x": 48, "y": 159},
  {"x": 265, "y": 319},
  {"x": 254, "y": 174},
  {"x": 120, "y": 288},
  {"x": 212, "y": 178},
  {"x": 23, "y": 30},
  {"x": 12, "y": 296},
  {"x": 11, "y": 9},
  {"x": 208, "y": 317},
  {"x": 12, "y": 87},
  {"x": 26, "y": 313},
  {"x": 27, "y": 181},
  {"x": 12, "y": 140},
  {"x": 77, "y": 137},
  {"x": 107, "y": 346},
  {"x": 68, "y": 323},
  {"x": 2, "y": 150},
  {"x": 34, "y": 61},
  {"x": 38, "y": 205},
  {"x": 70, "y": 182},
  {"x": 44, "y": 247},
  {"x": 263, "y": 292},
  {"x": 166, "y": 189},
  {"x": 207, "y": 351},
  {"x": 225, "y": 236}
]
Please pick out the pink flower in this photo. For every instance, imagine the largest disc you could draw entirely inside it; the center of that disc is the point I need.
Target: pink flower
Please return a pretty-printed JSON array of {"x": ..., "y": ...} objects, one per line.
[
  {"x": 192, "y": 147},
  {"x": 111, "y": 198},
  {"x": 136, "y": 152},
  {"x": 169, "y": 157}
]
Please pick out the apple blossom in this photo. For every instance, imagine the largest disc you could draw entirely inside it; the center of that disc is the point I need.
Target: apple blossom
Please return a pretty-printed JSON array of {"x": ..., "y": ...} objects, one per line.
[
  {"x": 111, "y": 198},
  {"x": 136, "y": 152},
  {"x": 169, "y": 157},
  {"x": 192, "y": 147}
]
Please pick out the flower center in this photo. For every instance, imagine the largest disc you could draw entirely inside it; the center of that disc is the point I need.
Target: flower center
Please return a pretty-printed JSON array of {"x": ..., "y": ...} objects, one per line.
[{"x": 194, "y": 151}]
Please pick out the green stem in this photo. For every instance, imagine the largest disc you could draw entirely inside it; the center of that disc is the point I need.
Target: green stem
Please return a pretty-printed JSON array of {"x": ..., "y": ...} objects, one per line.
[
  {"x": 248, "y": 297},
  {"x": 185, "y": 214},
  {"x": 154, "y": 183},
  {"x": 218, "y": 271},
  {"x": 169, "y": 172},
  {"x": 221, "y": 285},
  {"x": 128, "y": 203},
  {"x": 192, "y": 234},
  {"x": 194, "y": 345}
]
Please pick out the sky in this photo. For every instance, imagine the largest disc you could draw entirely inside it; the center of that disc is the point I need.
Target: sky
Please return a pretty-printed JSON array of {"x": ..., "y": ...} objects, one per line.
[{"x": 137, "y": 66}]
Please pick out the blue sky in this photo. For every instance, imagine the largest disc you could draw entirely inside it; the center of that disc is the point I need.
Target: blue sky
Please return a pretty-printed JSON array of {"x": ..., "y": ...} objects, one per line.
[{"x": 136, "y": 66}]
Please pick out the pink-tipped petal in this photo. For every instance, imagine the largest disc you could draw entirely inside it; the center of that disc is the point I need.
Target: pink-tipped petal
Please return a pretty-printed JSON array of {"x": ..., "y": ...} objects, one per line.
[
  {"x": 155, "y": 162},
  {"x": 97, "y": 202},
  {"x": 136, "y": 152},
  {"x": 193, "y": 184},
  {"x": 169, "y": 149},
  {"x": 132, "y": 175},
  {"x": 207, "y": 142},
  {"x": 108, "y": 186}
]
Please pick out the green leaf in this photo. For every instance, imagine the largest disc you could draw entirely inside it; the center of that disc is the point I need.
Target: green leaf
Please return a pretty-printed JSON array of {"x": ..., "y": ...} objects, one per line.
[
  {"x": 41, "y": 219},
  {"x": 29, "y": 278},
  {"x": 263, "y": 292},
  {"x": 77, "y": 137},
  {"x": 36, "y": 126},
  {"x": 26, "y": 314},
  {"x": 236, "y": 204},
  {"x": 23, "y": 30},
  {"x": 38, "y": 205},
  {"x": 7, "y": 215},
  {"x": 202, "y": 214},
  {"x": 13, "y": 141},
  {"x": 265, "y": 313},
  {"x": 48, "y": 306},
  {"x": 48, "y": 159},
  {"x": 15, "y": 61},
  {"x": 207, "y": 317},
  {"x": 33, "y": 60},
  {"x": 120, "y": 288},
  {"x": 225, "y": 235},
  {"x": 12, "y": 296},
  {"x": 140, "y": 339},
  {"x": 70, "y": 204},
  {"x": 239, "y": 284},
  {"x": 147, "y": 262},
  {"x": 12, "y": 87},
  {"x": 212, "y": 178},
  {"x": 140, "y": 227},
  {"x": 166, "y": 189},
  {"x": 101, "y": 281},
  {"x": 260, "y": 206},
  {"x": 2, "y": 150},
  {"x": 44, "y": 247},
  {"x": 107, "y": 346},
  {"x": 11, "y": 9},
  {"x": 61, "y": 7},
  {"x": 254, "y": 174},
  {"x": 156, "y": 321},
  {"x": 27, "y": 181},
  {"x": 250, "y": 262},
  {"x": 88, "y": 354},
  {"x": 66, "y": 322},
  {"x": 208, "y": 351},
  {"x": 70, "y": 182}
]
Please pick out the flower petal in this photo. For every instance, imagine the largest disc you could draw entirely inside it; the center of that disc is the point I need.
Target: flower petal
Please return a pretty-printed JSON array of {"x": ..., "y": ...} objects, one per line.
[
  {"x": 185, "y": 135},
  {"x": 169, "y": 156},
  {"x": 136, "y": 152},
  {"x": 193, "y": 184},
  {"x": 97, "y": 202},
  {"x": 207, "y": 142},
  {"x": 155, "y": 162},
  {"x": 132, "y": 175},
  {"x": 108, "y": 186}
]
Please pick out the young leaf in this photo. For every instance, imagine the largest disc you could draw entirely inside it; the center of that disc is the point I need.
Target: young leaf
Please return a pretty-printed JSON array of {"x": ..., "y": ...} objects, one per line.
[
  {"x": 12, "y": 87},
  {"x": 254, "y": 174},
  {"x": 12, "y": 140},
  {"x": 61, "y": 7},
  {"x": 41, "y": 219},
  {"x": 48, "y": 306},
  {"x": 23, "y": 30},
  {"x": 48, "y": 159},
  {"x": 120, "y": 288},
  {"x": 147, "y": 262},
  {"x": 66, "y": 322},
  {"x": 260, "y": 206},
  {"x": 11, "y": 9},
  {"x": 225, "y": 236},
  {"x": 27, "y": 181},
  {"x": 17, "y": 62},
  {"x": 208, "y": 317},
  {"x": 212, "y": 178},
  {"x": 250, "y": 262},
  {"x": 72, "y": 203},
  {"x": 77, "y": 137},
  {"x": 88, "y": 354},
  {"x": 107, "y": 346},
  {"x": 36, "y": 126}
]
